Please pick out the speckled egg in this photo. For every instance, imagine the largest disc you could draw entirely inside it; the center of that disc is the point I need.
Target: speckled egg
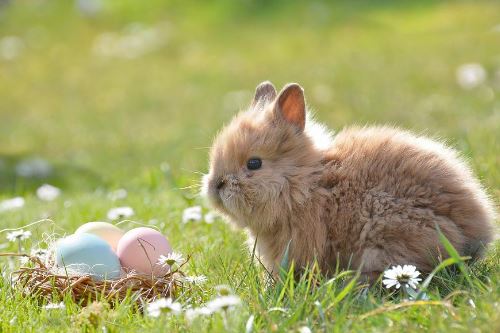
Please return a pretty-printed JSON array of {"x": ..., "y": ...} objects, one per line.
[
  {"x": 107, "y": 231},
  {"x": 87, "y": 254},
  {"x": 140, "y": 248}
]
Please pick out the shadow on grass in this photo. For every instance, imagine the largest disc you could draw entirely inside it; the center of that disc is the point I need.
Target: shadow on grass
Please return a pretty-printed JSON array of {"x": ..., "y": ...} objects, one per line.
[{"x": 25, "y": 173}]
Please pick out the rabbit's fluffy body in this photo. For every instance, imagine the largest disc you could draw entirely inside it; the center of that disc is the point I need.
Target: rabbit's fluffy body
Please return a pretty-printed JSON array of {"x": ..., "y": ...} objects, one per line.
[{"x": 369, "y": 198}]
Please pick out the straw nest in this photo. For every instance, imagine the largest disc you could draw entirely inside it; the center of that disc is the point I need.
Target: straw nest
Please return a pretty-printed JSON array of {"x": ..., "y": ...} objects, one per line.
[{"x": 43, "y": 279}]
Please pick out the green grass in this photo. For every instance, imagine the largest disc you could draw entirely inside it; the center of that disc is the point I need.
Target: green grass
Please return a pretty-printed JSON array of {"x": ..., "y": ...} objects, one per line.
[{"x": 107, "y": 123}]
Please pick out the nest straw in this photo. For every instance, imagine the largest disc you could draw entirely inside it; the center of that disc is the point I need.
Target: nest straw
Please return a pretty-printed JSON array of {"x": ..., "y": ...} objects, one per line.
[{"x": 43, "y": 280}]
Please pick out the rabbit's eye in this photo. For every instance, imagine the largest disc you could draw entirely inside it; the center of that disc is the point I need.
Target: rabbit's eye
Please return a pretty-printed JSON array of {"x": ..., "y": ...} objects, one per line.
[{"x": 254, "y": 163}]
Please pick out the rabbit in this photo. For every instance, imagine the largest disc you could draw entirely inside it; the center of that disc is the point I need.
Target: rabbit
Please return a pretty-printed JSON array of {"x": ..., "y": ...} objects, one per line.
[{"x": 365, "y": 199}]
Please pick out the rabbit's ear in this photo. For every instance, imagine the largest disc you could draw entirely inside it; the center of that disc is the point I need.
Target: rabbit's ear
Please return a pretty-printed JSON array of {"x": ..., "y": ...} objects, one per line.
[
  {"x": 291, "y": 105},
  {"x": 264, "y": 93}
]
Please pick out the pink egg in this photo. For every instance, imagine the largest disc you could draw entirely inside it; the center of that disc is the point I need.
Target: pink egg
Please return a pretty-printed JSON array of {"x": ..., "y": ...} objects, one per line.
[{"x": 140, "y": 248}]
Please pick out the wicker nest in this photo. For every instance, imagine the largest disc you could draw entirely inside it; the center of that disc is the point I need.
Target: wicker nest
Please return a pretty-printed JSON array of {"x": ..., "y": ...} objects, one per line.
[{"x": 43, "y": 280}]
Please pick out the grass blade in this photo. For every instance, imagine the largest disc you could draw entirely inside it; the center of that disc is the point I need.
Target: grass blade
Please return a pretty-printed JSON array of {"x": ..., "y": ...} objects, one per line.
[{"x": 460, "y": 261}]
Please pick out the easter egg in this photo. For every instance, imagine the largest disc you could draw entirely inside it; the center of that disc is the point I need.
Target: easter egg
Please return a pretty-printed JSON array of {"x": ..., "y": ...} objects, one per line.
[
  {"x": 140, "y": 248},
  {"x": 107, "y": 231},
  {"x": 87, "y": 254}
]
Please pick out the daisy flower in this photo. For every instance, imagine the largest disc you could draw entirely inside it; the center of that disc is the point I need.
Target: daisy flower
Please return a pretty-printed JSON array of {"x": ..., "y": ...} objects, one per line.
[
  {"x": 55, "y": 306},
  {"x": 18, "y": 235},
  {"x": 196, "y": 312},
  {"x": 118, "y": 194},
  {"x": 223, "y": 290},
  {"x": 47, "y": 192},
  {"x": 170, "y": 259},
  {"x": 470, "y": 75},
  {"x": 210, "y": 217},
  {"x": 120, "y": 212},
  {"x": 397, "y": 276},
  {"x": 41, "y": 254},
  {"x": 192, "y": 214},
  {"x": 24, "y": 260},
  {"x": 195, "y": 279},
  {"x": 223, "y": 303},
  {"x": 10, "y": 204},
  {"x": 305, "y": 329},
  {"x": 163, "y": 305}
]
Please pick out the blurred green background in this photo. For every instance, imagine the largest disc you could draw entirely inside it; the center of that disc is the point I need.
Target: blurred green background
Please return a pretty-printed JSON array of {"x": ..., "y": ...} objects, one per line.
[
  {"x": 107, "y": 91},
  {"x": 101, "y": 95}
]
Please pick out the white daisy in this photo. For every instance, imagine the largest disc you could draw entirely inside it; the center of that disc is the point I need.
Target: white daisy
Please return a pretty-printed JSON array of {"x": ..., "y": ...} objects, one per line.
[
  {"x": 47, "y": 192},
  {"x": 120, "y": 213},
  {"x": 192, "y": 214},
  {"x": 55, "y": 306},
  {"x": 406, "y": 275},
  {"x": 224, "y": 290},
  {"x": 41, "y": 254},
  {"x": 196, "y": 279},
  {"x": 163, "y": 305},
  {"x": 210, "y": 217},
  {"x": 10, "y": 204},
  {"x": 24, "y": 260},
  {"x": 223, "y": 303},
  {"x": 470, "y": 75},
  {"x": 18, "y": 235},
  {"x": 135, "y": 41},
  {"x": 196, "y": 312},
  {"x": 173, "y": 258},
  {"x": 118, "y": 194},
  {"x": 305, "y": 329}
]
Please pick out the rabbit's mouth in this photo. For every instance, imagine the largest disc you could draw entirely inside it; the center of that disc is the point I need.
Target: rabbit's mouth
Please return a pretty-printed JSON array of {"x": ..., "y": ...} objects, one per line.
[
  {"x": 224, "y": 194},
  {"x": 229, "y": 198}
]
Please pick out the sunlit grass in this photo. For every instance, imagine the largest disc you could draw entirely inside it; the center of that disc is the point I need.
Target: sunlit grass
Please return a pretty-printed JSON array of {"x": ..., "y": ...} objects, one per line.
[{"x": 145, "y": 124}]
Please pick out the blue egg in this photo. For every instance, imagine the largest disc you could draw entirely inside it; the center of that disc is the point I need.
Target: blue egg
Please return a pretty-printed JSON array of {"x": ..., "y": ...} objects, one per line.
[{"x": 87, "y": 254}]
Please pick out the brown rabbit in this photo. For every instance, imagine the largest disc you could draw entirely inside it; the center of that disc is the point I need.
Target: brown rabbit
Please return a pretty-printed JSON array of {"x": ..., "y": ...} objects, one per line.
[{"x": 369, "y": 198}]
